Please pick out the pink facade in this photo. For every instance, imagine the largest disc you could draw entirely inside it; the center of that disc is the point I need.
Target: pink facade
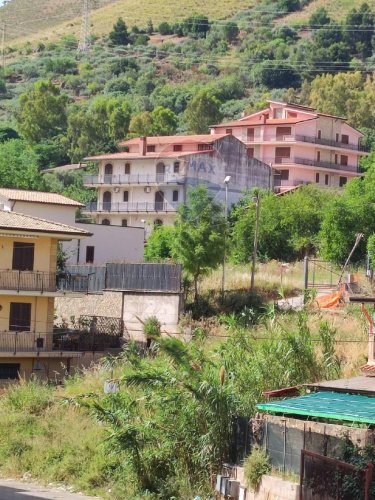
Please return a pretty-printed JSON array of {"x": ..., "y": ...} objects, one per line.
[{"x": 302, "y": 145}]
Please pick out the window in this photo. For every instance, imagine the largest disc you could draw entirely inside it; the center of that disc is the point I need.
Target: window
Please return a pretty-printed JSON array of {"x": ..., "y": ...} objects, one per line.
[
  {"x": 23, "y": 256},
  {"x": 336, "y": 159},
  {"x": 281, "y": 132},
  {"x": 229, "y": 131},
  {"x": 204, "y": 147},
  {"x": 108, "y": 169},
  {"x": 278, "y": 113},
  {"x": 175, "y": 195},
  {"x": 20, "y": 317},
  {"x": 291, "y": 114},
  {"x": 337, "y": 137},
  {"x": 345, "y": 139},
  {"x": 318, "y": 156},
  {"x": 284, "y": 175},
  {"x": 250, "y": 152},
  {"x": 281, "y": 153},
  {"x": 89, "y": 254},
  {"x": 343, "y": 160},
  {"x": 326, "y": 179},
  {"x": 9, "y": 371},
  {"x": 124, "y": 222},
  {"x": 342, "y": 181},
  {"x": 177, "y": 147},
  {"x": 319, "y": 134},
  {"x": 106, "y": 222},
  {"x": 317, "y": 178},
  {"x": 126, "y": 196},
  {"x": 176, "y": 167},
  {"x": 250, "y": 134},
  {"x": 127, "y": 168},
  {"x": 150, "y": 149}
]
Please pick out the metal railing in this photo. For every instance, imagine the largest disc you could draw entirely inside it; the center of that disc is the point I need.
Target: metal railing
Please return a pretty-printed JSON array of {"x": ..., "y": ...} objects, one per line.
[
  {"x": 278, "y": 160},
  {"x": 25, "y": 342},
  {"x": 92, "y": 180},
  {"x": 131, "y": 207},
  {"x": 310, "y": 139},
  {"x": 35, "y": 281}
]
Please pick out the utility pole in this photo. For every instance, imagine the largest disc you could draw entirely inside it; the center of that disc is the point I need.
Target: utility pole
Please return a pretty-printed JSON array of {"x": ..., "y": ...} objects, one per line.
[
  {"x": 84, "y": 40},
  {"x": 256, "y": 236},
  {"x": 3, "y": 45}
]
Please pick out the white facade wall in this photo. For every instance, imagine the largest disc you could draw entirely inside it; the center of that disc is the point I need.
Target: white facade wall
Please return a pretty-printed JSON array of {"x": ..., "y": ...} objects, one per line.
[
  {"x": 58, "y": 213},
  {"x": 111, "y": 244}
]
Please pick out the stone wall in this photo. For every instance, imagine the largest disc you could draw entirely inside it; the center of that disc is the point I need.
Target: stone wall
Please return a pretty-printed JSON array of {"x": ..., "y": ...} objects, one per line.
[{"x": 133, "y": 307}]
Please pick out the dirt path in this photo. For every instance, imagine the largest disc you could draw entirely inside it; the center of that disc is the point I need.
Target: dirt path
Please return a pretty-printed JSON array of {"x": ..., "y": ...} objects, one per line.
[{"x": 18, "y": 490}]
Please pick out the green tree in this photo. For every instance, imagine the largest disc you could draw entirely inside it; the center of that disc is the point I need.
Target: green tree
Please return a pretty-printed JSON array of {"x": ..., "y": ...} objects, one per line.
[
  {"x": 165, "y": 28},
  {"x": 160, "y": 244},
  {"x": 275, "y": 75},
  {"x": 97, "y": 126},
  {"x": 42, "y": 112},
  {"x": 360, "y": 38},
  {"x": 200, "y": 229},
  {"x": 196, "y": 26},
  {"x": 231, "y": 31},
  {"x": 119, "y": 34},
  {"x": 202, "y": 111},
  {"x": 160, "y": 121},
  {"x": 319, "y": 18},
  {"x": 19, "y": 166}
]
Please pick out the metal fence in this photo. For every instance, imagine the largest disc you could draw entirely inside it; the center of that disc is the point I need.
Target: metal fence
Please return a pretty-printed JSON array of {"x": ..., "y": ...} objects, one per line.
[
  {"x": 326, "y": 478},
  {"x": 133, "y": 277}
]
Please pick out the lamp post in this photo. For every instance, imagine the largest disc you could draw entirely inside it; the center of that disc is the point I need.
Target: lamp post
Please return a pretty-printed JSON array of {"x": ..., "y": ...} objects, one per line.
[
  {"x": 256, "y": 200},
  {"x": 226, "y": 182}
]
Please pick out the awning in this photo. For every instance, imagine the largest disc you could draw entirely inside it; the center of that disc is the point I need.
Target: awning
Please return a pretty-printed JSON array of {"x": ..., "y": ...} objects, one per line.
[{"x": 330, "y": 405}]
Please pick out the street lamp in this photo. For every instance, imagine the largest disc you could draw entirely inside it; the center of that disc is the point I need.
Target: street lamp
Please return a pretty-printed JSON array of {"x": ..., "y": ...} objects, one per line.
[
  {"x": 256, "y": 200},
  {"x": 226, "y": 182}
]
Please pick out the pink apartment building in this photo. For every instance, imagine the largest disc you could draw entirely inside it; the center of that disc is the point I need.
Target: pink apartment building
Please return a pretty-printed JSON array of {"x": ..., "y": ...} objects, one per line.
[{"x": 304, "y": 146}]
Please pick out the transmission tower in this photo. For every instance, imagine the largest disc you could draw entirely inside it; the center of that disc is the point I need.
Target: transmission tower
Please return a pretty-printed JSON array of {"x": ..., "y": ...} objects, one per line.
[{"x": 84, "y": 40}]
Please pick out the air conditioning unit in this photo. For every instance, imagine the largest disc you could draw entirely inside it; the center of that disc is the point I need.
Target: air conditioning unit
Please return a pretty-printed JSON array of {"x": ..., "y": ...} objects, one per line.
[
  {"x": 116, "y": 190},
  {"x": 147, "y": 189},
  {"x": 232, "y": 488}
]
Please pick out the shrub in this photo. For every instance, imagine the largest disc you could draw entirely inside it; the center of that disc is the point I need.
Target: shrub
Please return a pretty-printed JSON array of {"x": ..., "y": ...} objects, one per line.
[
  {"x": 256, "y": 465},
  {"x": 152, "y": 327},
  {"x": 165, "y": 28}
]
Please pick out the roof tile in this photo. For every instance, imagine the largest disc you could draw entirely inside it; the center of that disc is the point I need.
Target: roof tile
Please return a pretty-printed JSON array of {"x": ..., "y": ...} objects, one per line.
[{"x": 38, "y": 197}]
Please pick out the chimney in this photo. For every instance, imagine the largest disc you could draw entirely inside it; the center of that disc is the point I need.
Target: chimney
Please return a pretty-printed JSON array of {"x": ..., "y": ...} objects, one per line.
[{"x": 143, "y": 146}]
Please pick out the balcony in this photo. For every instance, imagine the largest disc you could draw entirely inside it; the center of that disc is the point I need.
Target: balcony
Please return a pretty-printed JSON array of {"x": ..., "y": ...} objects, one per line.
[
  {"x": 42, "y": 282},
  {"x": 54, "y": 343},
  {"x": 309, "y": 139},
  {"x": 131, "y": 207},
  {"x": 311, "y": 163},
  {"x": 141, "y": 179}
]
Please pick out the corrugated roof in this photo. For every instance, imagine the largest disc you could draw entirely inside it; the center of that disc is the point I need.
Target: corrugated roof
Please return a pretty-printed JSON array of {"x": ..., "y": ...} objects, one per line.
[
  {"x": 174, "y": 139},
  {"x": 65, "y": 168},
  {"x": 38, "y": 197},
  {"x": 13, "y": 221},
  {"x": 329, "y": 405},
  {"x": 361, "y": 384}
]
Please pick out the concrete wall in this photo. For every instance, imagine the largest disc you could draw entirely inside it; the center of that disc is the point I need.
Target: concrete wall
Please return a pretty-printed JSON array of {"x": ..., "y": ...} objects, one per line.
[
  {"x": 133, "y": 307},
  {"x": 57, "y": 213},
  {"x": 111, "y": 244}
]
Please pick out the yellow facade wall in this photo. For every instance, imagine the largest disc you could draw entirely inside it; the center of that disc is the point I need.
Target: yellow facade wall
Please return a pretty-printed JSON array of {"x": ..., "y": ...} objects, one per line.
[
  {"x": 43, "y": 368},
  {"x": 44, "y": 254},
  {"x": 41, "y": 312}
]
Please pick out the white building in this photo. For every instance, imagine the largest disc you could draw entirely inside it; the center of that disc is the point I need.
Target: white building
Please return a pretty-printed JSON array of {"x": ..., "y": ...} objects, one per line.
[
  {"x": 144, "y": 185},
  {"x": 107, "y": 244}
]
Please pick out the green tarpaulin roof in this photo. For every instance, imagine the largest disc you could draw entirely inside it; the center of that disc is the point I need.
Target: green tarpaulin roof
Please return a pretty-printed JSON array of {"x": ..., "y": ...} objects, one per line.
[{"x": 338, "y": 406}]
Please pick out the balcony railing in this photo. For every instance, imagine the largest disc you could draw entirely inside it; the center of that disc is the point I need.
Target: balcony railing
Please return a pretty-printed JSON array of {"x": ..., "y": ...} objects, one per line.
[
  {"x": 131, "y": 207},
  {"x": 68, "y": 340},
  {"x": 94, "y": 180},
  {"x": 331, "y": 143},
  {"x": 310, "y": 139},
  {"x": 34, "y": 281},
  {"x": 311, "y": 163}
]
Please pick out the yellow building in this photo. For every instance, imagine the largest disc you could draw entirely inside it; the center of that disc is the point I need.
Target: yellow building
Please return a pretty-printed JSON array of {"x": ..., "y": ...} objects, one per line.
[{"x": 28, "y": 285}]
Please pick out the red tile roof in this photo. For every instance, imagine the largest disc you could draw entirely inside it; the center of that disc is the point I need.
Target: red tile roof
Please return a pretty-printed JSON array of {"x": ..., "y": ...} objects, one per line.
[
  {"x": 258, "y": 121},
  {"x": 174, "y": 139},
  {"x": 38, "y": 197},
  {"x": 137, "y": 156},
  {"x": 368, "y": 369}
]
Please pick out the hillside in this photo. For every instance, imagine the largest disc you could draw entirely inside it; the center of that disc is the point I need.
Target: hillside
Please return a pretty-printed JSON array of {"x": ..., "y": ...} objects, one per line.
[
  {"x": 50, "y": 19},
  {"x": 337, "y": 9}
]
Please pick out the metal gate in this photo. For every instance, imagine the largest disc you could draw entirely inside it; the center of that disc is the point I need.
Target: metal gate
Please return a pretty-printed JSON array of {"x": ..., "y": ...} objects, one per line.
[{"x": 320, "y": 274}]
